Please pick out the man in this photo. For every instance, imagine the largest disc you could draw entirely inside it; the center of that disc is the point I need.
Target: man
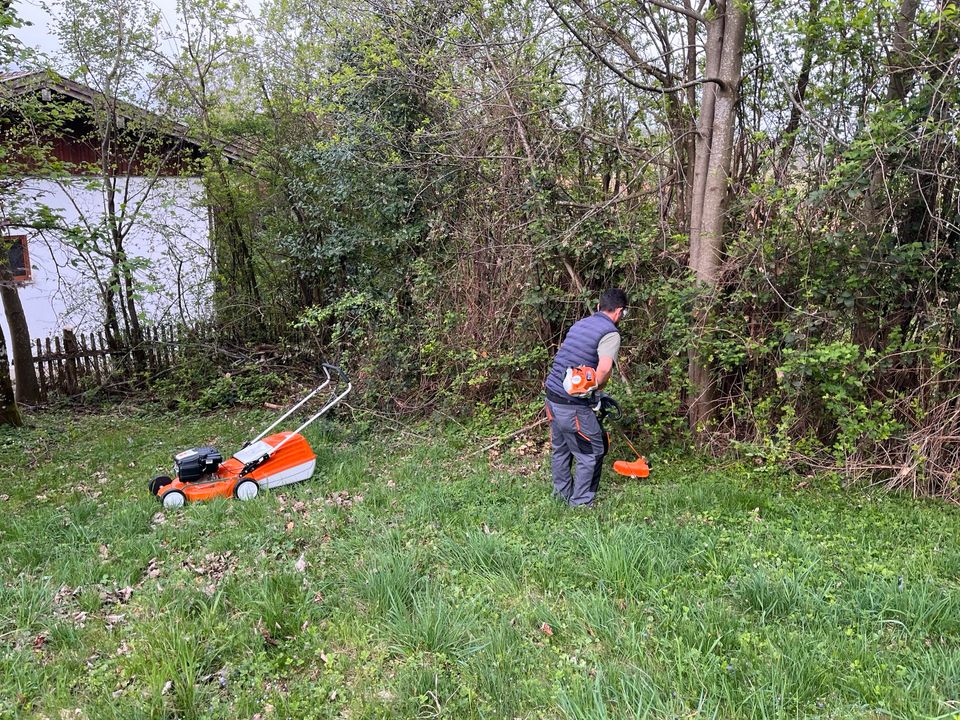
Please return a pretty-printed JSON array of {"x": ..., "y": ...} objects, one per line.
[{"x": 575, "y": 431}]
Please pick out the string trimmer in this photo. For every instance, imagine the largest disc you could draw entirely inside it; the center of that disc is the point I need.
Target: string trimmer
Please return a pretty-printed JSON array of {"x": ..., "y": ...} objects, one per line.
[{"x": 608, "y": 409}]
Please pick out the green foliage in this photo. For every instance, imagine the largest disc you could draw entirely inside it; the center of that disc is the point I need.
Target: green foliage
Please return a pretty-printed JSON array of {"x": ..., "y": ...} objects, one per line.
[
  {"x": 830, "y": 381},
  {"x": 198, "y": 383}
]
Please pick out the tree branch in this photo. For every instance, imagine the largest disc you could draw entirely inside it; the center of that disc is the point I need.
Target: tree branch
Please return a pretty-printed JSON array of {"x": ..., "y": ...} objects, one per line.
[
  {"x": 620, "y": 39},
  {"x": 622, "y": 75},
  {"x": 689, "y": 12}
]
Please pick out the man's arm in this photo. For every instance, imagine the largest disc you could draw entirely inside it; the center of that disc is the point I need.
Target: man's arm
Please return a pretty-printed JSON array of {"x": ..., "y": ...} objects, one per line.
[
  {"x": 607, "y": 351},
  {"x": 604, "y": 370}
]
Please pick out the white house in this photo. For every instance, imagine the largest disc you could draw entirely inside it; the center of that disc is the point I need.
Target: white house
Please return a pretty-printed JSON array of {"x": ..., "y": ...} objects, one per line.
[{"x": 64, "y": 270}]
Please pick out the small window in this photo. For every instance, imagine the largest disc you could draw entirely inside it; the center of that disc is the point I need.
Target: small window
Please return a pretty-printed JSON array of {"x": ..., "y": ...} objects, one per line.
[{"x": 18, "y": 257}]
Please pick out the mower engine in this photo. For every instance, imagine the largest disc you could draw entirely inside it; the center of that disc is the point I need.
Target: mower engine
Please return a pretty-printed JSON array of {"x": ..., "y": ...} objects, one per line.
[{"x": 191, "y": 465}]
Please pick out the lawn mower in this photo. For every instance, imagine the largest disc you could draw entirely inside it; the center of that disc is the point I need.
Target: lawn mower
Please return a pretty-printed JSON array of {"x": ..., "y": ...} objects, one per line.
[{"x": 267, "y": 461}]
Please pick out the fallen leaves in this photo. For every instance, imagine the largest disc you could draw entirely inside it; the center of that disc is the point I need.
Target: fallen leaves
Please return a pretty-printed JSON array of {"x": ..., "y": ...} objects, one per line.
[
  {"x": 65, "y": 595},
  {"x": 220, "y": 676},
  {"x": 212, "y": 565},
  {"x": 112, "y": 620},
  {"x": 266, "y": 634},
  {"x": 122, "y": 687},
  {"x": 153, "y": 569},
  {"x": 546, "y": 629},
  {"x": 119, "y": 596},
  {"x": 343, "y": 499}
]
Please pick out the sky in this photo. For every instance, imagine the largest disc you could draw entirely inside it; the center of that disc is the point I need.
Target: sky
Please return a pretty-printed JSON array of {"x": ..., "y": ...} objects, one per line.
[{"x": 39, "y": 36}]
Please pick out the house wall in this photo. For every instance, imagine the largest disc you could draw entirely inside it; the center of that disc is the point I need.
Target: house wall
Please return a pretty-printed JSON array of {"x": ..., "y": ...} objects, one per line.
[{"x": 169, "y": 245}]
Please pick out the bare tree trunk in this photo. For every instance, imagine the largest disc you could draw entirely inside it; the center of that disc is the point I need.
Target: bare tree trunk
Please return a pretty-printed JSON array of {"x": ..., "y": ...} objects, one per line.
[
  {"x": 9, "y": 412},
  {"x": 714, "y": 50},
  {"x": 136, "y": 331},
  {"x": 708, "y": 215},
  {"x": 721, "y": 150},
  {"x": 121, "y": 276},
  {"x": 692, "y": 135},
  {"x": 901, "y": 71},
  {"x": 27, "y": 387},
  {"x": 111, "y": 324}
]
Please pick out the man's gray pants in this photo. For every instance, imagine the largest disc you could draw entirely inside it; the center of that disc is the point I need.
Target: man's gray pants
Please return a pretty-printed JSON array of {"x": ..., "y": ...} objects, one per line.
[{"x": 576, "y": 437}]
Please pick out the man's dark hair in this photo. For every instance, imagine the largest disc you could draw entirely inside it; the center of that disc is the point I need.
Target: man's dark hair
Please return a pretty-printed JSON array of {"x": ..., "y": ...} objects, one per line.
[{"x": 612, "y": 299}]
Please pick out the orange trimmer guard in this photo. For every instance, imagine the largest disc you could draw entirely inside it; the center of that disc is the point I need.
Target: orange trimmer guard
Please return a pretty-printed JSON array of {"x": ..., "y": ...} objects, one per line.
[{"x": 632, "y": 468}]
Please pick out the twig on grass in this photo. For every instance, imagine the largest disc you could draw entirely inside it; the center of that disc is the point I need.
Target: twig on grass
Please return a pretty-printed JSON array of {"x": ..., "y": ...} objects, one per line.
[
  {"x": 397, "y": 425},
  {"x": 504, "y": 438}
]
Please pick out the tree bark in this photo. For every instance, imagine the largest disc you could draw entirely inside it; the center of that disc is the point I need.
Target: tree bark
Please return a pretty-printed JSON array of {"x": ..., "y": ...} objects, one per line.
[
  {"x": 27, "y": 387},
  {"x": 708, "y": 213},
  {"x": 721, "y": 150},
  {"x": 810, "y": 41},
  {"x": 9, "y": 412},
  {"x": 714, "y": 50}
]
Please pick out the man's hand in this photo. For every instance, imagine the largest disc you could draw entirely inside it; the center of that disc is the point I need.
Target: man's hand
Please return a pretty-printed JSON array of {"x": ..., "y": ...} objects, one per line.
[
  {"x": 604, "y": 370},
  {"x": 606, "y": 406}
]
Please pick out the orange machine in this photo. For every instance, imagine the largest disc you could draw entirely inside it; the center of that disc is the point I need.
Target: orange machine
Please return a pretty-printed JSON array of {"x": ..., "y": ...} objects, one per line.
[
  {"x": 267, "y": 461},
  {"x": 580, "y": 381},
  {"x": 608, "y": 408}
]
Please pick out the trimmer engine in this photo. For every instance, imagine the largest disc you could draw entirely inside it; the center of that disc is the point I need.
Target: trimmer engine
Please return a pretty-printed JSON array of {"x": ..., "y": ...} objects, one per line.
[{"x": 191, "y": 465}]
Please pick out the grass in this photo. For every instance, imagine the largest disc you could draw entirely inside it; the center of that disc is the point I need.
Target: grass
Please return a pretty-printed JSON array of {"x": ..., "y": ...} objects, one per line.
[{"x": 406, "y": 582}]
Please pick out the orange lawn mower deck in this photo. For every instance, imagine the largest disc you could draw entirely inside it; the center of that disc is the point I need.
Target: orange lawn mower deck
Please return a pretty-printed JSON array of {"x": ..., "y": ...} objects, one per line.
[{"x": 267, "y": 461}]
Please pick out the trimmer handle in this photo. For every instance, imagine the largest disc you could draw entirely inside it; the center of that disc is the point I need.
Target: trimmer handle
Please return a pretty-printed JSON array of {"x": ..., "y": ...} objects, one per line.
[
  {"x": 607, "y": 407},
  {"x": 338, "y": 372}
]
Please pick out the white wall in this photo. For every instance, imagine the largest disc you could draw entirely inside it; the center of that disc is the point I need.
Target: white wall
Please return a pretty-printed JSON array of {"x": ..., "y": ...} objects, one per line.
[{"x": 169, "y": 243}]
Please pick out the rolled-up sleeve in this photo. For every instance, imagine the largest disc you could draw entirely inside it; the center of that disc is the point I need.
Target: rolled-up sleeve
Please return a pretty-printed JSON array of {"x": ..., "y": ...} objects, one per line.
[{"x": 609, "y": 346}]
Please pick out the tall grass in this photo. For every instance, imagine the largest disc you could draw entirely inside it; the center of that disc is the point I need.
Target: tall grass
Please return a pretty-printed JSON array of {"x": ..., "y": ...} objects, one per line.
[
  {"x": 430, "y": 624},
  {"x": 460, "y": 590}
]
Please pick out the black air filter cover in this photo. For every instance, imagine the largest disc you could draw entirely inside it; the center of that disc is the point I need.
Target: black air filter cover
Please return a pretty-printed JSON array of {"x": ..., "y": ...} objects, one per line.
[{"x": 193, "y": 464}]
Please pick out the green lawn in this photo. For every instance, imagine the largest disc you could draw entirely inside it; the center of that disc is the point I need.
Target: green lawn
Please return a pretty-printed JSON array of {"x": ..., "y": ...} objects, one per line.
[{"x": 404, "y": 582}]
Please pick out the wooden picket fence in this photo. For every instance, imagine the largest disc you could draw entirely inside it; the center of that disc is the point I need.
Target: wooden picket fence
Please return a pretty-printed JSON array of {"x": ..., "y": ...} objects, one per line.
[
  {"x": 76, "y": 361},
  {"x": 73, "y": 362}
]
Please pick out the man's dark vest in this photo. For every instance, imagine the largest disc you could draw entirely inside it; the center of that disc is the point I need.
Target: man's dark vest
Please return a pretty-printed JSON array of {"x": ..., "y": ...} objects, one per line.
[{"x": 579, "y": 348}]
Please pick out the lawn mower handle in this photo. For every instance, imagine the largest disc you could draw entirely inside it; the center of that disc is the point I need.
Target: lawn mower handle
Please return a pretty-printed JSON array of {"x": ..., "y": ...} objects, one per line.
[
  {"x": 328, "y": 368},
  {"x": 329, "y": 404},
  {"x": 326, "y": 372}
]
